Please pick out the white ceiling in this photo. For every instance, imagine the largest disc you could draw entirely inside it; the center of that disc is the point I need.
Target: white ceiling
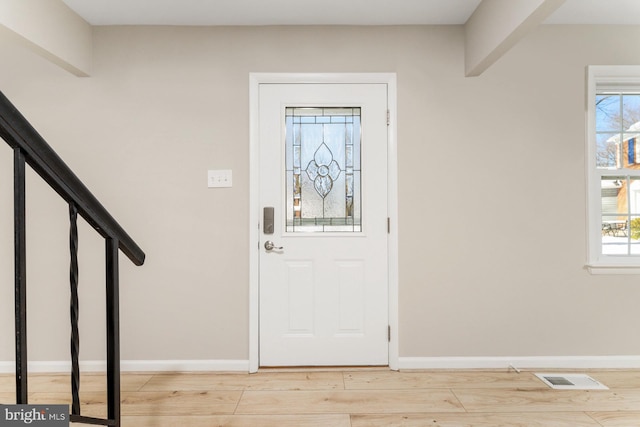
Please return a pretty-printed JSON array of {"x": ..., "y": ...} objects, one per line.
[
  {"x": 613, "y": 12},
  {"x": 273, "y": 12},
  {"x": 329, "y": 12}
]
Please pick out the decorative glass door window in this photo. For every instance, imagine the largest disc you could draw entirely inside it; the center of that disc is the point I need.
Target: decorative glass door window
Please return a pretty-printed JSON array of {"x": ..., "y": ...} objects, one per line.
[{"x": 323, "y": 173}]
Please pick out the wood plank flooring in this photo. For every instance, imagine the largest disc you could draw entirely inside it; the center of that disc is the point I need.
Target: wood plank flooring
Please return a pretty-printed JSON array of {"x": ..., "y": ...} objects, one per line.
[{"x": 373, "y": 397}]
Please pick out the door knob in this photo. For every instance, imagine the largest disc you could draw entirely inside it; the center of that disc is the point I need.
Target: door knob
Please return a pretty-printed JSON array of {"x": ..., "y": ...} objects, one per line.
[{"x": 269, "y": 246}]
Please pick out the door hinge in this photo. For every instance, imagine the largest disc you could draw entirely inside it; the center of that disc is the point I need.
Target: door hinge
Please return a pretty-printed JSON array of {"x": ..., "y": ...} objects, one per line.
[
  {"x": 389, "y": 333},
  {"x": 388, "y": 225},
  {"x": 388, "y": 117}
]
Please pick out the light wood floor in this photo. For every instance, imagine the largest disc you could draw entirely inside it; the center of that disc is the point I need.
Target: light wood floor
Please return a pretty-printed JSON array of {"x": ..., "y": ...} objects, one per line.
[{"x": 348, "y": 398}]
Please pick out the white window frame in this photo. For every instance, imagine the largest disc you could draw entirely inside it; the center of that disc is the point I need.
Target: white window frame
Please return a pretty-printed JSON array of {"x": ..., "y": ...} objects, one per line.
[{"x": 623, "y": 78}]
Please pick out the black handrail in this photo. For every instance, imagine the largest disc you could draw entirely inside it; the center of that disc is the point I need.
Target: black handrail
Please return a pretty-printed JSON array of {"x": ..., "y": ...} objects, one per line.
[
  {"x": 18, "y": 132},
  {"x": 30, "y": 148}
]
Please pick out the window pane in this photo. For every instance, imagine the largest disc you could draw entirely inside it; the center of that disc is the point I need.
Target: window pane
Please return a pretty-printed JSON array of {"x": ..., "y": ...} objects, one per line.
[
  {"x": 634, "y": 235},
  {"x": 631, "y": 112},
  {"x": 608, "y": 108},
  {"x": 607, "y": 151},
  {"x": 633, "y": 195},
  {"x": 323, "y": 170},
  {"x": 613, "y": 202},
  {"x": 616, "y": 214}
]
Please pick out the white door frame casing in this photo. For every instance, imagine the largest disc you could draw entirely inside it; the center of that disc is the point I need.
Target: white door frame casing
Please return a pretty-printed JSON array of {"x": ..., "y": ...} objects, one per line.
[{"x": 255, "y": 80}]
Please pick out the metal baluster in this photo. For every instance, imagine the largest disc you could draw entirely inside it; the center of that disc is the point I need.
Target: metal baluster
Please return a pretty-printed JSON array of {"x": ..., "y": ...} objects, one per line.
[
  {"x": 20, "y": 257},
  {"x": 113, "y": 331},
  {"x": 74, "y": 309}
]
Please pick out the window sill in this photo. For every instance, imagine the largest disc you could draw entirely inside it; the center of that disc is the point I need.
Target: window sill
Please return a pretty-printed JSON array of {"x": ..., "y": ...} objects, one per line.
[{"x": 599, "y": 269}]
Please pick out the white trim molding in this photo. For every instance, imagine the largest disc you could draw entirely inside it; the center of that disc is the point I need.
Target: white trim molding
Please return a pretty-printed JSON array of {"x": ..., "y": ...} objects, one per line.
[
  {"x": 404, "y": 363},
  {"x": 522, "y": 362},
  {"x": 134, "y": 366},
  {"x": 611, "y": 269},
  {"x": 255, "y": 80},
  {"x": 616, "y": 79}
]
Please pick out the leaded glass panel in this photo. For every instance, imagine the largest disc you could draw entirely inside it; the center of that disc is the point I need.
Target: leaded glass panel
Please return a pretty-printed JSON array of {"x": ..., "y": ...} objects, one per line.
[{"x": 323, "y": 170}]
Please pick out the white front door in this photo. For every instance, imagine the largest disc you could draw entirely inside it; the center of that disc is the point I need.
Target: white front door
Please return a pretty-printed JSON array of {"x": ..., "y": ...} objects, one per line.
[{"x": 323, "y": 283}]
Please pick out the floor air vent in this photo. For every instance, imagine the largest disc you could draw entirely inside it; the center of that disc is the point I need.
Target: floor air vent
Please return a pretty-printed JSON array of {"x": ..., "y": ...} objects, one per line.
[{"x": 571, "y": 382}]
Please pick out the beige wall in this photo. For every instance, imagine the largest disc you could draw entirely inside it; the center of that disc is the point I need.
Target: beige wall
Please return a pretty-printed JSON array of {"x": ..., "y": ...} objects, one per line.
[
  {"x": 51, "y": 29},
  {"x": 491, "y": 189}
]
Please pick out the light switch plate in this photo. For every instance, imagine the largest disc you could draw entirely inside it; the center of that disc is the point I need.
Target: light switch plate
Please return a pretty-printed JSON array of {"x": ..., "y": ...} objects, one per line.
[{"x": 219, "y": 178}]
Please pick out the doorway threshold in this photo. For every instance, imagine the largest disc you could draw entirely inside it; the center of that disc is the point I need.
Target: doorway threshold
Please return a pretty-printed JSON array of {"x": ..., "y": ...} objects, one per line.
[{"x": 322, "y": 368}]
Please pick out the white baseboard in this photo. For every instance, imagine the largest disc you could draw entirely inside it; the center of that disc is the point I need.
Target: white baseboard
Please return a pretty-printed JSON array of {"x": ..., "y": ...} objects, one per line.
[
  {"x": 185, "y": 366},
  {"x": 135, "y": 366},
  {"x": 547, "y": 362}
]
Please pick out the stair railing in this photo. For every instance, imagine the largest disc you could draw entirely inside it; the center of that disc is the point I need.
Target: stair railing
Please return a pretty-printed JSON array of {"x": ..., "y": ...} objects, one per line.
[{"x": 29, "y": 148}]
